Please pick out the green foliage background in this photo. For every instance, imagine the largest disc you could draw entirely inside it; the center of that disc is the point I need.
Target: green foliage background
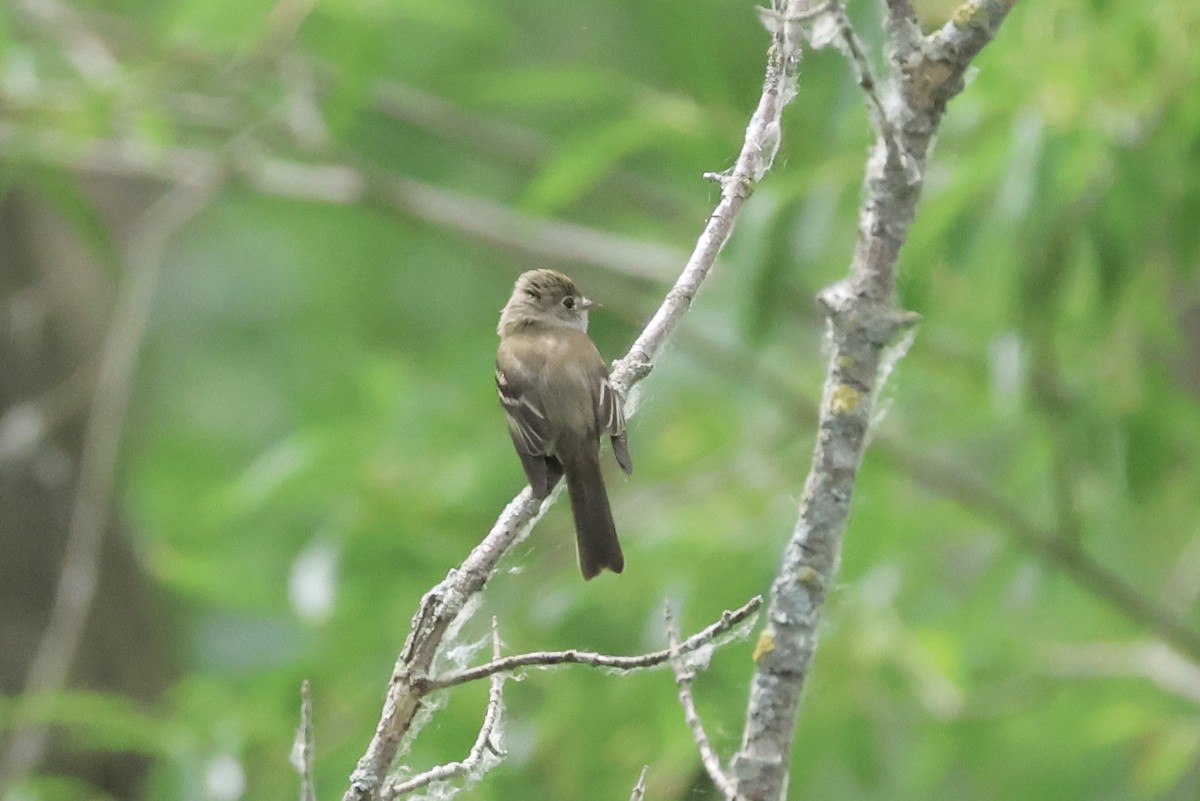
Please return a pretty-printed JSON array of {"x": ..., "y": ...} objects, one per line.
[{"x": 316, "y": 382}]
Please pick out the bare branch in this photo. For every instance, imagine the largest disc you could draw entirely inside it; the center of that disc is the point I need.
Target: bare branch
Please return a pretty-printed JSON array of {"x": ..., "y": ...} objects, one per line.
[
  {"x": 89, "y": 516},
  {"x": 88, "y": 53},
  {"x": 484, "y": 743},
  {"x": 763, "y": 136},
  {"x": 441, "y": 606},
  {"x": 118, "y": 156},
  {"x": 728, "y": 621},
  {"x": 495, "y": 224},
  {"x": 305, "y": 745},
  {"x": 284, "y": 20},
  {"x": 639, "y": 789},
  {"x": 885, "y": 128},
  {"x": 683, "y": 681},
  {"x": 1150, "y": 660},
  {"x": 303, "y": 114}
]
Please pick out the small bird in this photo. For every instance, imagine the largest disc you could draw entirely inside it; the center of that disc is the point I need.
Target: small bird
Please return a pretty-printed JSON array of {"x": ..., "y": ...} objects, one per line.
[{"x": 558, "y": 401}]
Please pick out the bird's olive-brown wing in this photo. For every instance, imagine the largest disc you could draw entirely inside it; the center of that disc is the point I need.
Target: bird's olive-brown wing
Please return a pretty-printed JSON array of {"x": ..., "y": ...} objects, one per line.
[
  {"x": 530, "y": 432},
  {"x": 611, "y": 416}
]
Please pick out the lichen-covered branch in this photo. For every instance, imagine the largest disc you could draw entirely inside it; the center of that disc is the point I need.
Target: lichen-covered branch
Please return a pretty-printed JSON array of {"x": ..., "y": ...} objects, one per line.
[{"x": 863, "y": 320}]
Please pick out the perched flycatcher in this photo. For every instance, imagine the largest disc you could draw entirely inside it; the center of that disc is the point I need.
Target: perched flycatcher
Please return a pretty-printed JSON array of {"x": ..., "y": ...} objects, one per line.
[{"x": 558, "y": 400}]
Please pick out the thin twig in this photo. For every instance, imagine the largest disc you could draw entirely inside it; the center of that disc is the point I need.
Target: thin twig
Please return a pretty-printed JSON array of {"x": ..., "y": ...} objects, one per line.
[
  {"x": 80, "y": 570},
  {"x": 308, "y": 787},
  {"x": 763, "y": 136},
  {"x": 884, "y": 127},
  {"x": 683, "y": 681},
  {"x": 483, "y": 743},
  {"x": 639, "y": 789},
  {"x": 728, "y": 621}
]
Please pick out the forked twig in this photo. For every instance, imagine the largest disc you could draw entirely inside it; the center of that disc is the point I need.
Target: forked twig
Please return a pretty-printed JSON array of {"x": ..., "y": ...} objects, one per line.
[
  {"x": 485, "y": 742},
  {"x": 683, "y": 681}
]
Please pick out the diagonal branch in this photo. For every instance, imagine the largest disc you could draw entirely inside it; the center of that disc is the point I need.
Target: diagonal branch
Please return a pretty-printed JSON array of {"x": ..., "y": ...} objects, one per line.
[
  {"x": 639, "y": 789},
  {"x": 442, "y": 605},
  {"x": 763, "y": 136},
  {"x": 973, "y": 493}
]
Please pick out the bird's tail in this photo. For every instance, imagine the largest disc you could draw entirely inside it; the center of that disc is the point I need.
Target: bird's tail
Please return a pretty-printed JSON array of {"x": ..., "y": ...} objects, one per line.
[{"x": 595, "y": 533}]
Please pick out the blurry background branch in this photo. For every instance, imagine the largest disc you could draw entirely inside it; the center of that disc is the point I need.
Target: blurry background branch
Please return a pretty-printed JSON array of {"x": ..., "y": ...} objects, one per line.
[
  {"x": 977, "y": 496},
  {"x": 79, "y": 574},
  {"x": 337, "y": 183}
]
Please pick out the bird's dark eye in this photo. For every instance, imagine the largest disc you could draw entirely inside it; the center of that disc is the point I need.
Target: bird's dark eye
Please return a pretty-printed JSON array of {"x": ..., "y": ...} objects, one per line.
[{"x": 569, "y": 302}]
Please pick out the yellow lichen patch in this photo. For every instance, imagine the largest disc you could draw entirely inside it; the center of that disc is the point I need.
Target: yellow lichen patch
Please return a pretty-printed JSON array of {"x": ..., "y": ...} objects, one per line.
[
  {"x": 807, "y": 575},
  {"x": 962, "y": 16},
  {"x": 977, "y": 14},
  {"x": 765, "y": 644},
  {"x": 845, "y": 399}
]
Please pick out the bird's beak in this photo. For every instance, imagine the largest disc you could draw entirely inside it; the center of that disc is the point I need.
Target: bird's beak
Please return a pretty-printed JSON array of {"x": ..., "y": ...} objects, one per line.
[{"x": 586, "y": 303}]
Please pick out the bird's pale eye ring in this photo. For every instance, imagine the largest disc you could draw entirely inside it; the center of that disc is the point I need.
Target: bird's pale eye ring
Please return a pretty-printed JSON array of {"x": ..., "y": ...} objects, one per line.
[{"x": 569, "y": 302}]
